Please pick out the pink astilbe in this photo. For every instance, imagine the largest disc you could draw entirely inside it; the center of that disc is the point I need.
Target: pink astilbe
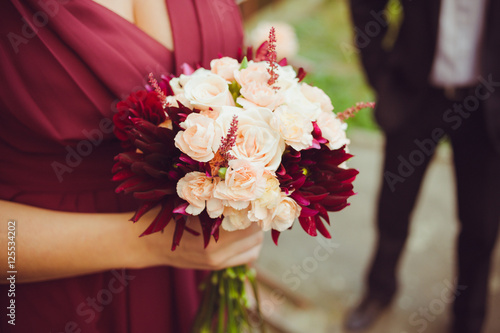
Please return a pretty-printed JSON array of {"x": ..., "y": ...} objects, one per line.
[
  {"x": 229, "y": 141},
  {"x": 223, "y": 155},
  {"x": 154, "y": 84},
  {"x": 271, "y": 57},
  {"x": 350, "y": 112}
]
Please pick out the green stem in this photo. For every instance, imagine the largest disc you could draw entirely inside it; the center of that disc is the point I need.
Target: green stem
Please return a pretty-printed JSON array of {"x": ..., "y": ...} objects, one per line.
[
  {"x": 253, "y": 282},
  {"x": 222, "y": 308},
  {"x": 204, "y": 315},
  {"x": 231, "y": 325}
]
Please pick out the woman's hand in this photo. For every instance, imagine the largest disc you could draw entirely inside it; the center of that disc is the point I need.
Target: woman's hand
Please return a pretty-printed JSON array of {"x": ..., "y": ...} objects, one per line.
[{"x": 233, "y": 248}]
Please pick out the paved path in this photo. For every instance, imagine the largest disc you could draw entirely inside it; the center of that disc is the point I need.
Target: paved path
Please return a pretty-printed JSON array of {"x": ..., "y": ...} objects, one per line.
[{"x": 330, "y": 273}]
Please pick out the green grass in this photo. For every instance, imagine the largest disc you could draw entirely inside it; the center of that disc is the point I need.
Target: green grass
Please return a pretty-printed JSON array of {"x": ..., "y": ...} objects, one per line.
[{"x": 325, "y": 37}]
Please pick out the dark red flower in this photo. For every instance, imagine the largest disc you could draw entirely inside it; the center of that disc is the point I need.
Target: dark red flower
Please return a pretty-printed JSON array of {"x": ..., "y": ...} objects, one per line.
[
  {"x": 142, "y": 105},
  {"x": 317, "y": 183}
]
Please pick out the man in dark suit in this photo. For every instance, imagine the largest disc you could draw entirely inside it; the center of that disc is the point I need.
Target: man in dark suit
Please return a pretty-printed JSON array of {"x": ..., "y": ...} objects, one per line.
[{"x": 440, "y": 78}]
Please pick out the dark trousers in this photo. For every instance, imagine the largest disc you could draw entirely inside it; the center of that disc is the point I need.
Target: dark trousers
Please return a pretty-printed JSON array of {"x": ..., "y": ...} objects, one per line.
[{"x": 477, "y": 175}]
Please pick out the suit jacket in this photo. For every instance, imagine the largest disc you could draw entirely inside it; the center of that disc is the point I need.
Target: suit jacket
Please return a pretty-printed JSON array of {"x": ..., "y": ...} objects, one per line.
[{"x": 400, "y": 76}]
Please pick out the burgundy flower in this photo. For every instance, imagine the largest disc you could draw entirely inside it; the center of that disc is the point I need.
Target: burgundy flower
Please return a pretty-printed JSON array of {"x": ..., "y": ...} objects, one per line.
[
  {"x": 317, "y": 183},
  {"x": 140, "y": 104}
]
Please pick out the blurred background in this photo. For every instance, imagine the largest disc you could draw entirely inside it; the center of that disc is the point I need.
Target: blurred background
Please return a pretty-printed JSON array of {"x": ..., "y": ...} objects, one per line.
[{"x": 308, "y": 284}]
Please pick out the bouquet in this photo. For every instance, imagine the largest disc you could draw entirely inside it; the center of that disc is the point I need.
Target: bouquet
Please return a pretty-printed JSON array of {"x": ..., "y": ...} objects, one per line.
[{"x": 243, "y": 142}]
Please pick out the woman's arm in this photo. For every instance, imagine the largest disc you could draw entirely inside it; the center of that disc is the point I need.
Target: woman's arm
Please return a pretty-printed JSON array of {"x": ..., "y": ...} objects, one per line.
[{"x": 53, "y": 244}]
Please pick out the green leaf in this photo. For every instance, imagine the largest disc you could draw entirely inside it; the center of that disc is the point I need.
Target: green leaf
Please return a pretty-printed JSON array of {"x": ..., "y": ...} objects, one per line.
[
  {"x": 234, "y": 89},
  {"x": 244, "y": 63}
]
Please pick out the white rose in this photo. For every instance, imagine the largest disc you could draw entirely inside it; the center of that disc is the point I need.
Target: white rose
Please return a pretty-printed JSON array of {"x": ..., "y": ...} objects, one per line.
[
  {"x": 244, "y": 182},
  {"x": 258, "y": 94},
  {"x": 200, "y": 139},
  {"x": 284, "y": 214},
  {"x": 297, "y": 101},
  {"x": 255, "y": 72},
  {"x": 293, "y": 127},
  {"x": 287, "y": 77},
  {"x": 255, "y": 90},
  {"x": 208, "y": 91},
  {"x": 235, "y": 219},
  {"x": 178, "y": 83},
  {"x": 316, "y": 95},
  {"x": 256, "y": 140},
  {"x": 333, "y": 129},
  {"x": 196, "y": 188},
  {"x": 262, "y": 207}
]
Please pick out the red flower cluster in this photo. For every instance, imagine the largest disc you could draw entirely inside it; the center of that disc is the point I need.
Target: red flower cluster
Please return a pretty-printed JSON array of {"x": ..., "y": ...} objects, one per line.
[
  {"x": 318, "y": 184},
  {"x": 139, "y": 105}
]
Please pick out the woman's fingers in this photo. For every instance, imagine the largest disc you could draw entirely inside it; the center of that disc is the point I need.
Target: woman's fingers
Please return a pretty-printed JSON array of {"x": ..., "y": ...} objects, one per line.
[
  {"x": 238, "y": 247},
  {"x": 233, "y": 248},
  {"x": 242, "y": 258}
]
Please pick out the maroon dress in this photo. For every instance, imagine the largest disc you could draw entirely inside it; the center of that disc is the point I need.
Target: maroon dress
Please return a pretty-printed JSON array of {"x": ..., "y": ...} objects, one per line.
[{"x": 63, "y": 67}]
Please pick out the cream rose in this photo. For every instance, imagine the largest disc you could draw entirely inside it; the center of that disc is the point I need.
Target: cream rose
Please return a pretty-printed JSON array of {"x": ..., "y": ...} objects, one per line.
[
  {"x": 258, "y": 72},
  {"x": 178, "y": 83},
  {"x": 235, "y": 219},
  {"x": 258, "y": 94},
  {"x": 208, "y": 91},
  {"x": 295, "y": 100},
  {"x": 225, "y": 67},
  {"x": 255, "y": 72},
  {"x": 200, "y": 139},
  {"x": 333, "y": 129},
  {"x": 256, "y": 140},
  {"x": 283, "y": 215},
  {"x": 316, "y": 95},
  {"x": 293, "y": 126},
  {"x": 255, "y": 90},
  {"x": 262, "y": 207},
  {"x": 244, "y": 182},
  {"x": 287, "y": 77},
  {"x": 196, "y": 188}
]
